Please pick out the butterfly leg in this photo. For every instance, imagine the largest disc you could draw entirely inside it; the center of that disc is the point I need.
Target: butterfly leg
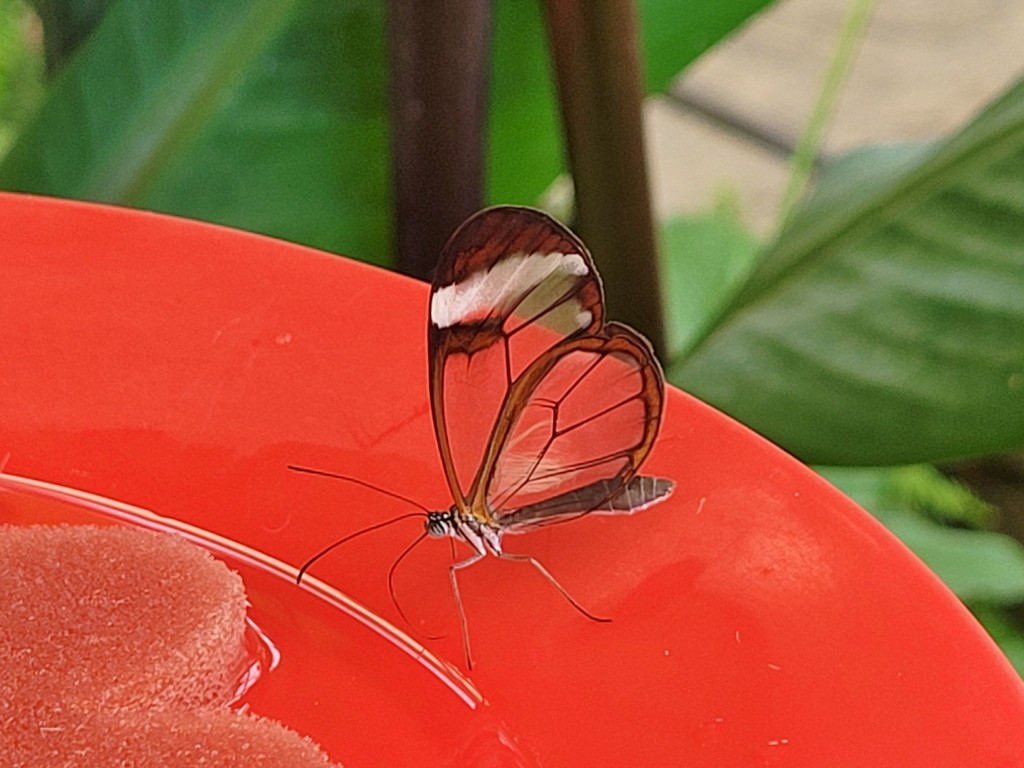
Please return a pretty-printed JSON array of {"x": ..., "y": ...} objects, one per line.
[
  {"x": 452, "y": 569},
  {"x": 553, "y": 581}
]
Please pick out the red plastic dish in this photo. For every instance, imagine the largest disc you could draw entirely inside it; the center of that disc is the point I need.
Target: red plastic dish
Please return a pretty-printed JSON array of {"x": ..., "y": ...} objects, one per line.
[{"x": 760, "y": 617}]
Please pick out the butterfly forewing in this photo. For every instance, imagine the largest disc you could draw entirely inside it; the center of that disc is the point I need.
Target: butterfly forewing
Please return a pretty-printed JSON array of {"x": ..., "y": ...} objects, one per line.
[
  {"x": 538, "y": 405},
  {"x": 511, "y": 284}
]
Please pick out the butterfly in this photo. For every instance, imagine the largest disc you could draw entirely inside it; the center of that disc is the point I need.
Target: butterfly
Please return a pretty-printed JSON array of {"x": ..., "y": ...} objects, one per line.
[{"x": 543, "y": 410}]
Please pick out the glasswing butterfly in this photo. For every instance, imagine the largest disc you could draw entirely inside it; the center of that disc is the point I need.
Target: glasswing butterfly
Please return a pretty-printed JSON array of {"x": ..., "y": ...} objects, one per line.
[{"x": 542, "y": 409}]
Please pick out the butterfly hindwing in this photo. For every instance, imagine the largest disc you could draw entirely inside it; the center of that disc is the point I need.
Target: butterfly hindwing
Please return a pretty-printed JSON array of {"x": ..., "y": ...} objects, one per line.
[
  {"x": 609, "y": 497},
  {"x": 587, "y": 411}
]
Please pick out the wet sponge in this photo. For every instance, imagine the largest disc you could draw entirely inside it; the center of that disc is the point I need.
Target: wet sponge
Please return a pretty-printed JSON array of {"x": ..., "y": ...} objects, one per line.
[
  {"x": 219, "y": 738},
  {"x": 110, "y": 617},
  {"x": 120, "y": 646}
]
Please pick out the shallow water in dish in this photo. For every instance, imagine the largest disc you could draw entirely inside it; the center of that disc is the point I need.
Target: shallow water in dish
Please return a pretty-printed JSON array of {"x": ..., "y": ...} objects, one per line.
[{"x": 316, "y": 660}]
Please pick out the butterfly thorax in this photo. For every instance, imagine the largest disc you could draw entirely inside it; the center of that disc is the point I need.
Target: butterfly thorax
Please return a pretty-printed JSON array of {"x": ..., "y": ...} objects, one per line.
[{"x": 481, "y": 536}]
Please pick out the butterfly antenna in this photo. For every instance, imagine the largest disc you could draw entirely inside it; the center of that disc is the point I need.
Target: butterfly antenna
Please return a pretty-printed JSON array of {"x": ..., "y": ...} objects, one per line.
[
  {"x": 306, "y": 566},
  {"x": 357, "y": 481}
]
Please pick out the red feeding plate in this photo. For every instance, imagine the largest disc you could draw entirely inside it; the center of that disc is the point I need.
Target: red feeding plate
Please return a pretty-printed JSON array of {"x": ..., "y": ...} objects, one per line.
[{"x": 759, "y": 617}]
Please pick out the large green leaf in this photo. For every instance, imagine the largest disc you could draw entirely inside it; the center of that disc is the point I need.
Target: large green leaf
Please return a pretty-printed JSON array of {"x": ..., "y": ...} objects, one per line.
[
  {"x": 886, "y": 324},
  {"x": 704, "y": 258},
  {"x": 301, "y": 149},
  {"x": 676, "y": 32},
  {"x": 271, "y": 115},
  {"x": 1006, "y": 631},
  {"x": 264, "y": 114},
  {"x": 20, "y": 72},
  {"x": 979, "y": 566},
  {"x": 525, "y": 142},
  {"x": 524, "y": 137}
]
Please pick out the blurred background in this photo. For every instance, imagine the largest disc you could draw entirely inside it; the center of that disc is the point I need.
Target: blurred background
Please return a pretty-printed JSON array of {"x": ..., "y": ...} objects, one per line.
[{"x": 814, "y": 208}]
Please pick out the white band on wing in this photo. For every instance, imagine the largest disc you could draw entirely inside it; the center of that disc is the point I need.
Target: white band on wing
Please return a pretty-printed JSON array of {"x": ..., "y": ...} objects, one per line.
[{"x": 483, "y": 294}]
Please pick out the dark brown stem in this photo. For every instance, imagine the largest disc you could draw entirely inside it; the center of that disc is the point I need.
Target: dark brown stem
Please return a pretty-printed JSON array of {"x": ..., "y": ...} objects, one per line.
[
  {"x": 65, "y": 27},
  {"x": 439, "y": 68},
  {"x": 600, "y": 90}
]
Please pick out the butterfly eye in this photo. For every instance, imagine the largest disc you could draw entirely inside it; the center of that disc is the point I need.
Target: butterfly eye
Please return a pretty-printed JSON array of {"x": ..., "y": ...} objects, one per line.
[{"x": 438, "y": 526}]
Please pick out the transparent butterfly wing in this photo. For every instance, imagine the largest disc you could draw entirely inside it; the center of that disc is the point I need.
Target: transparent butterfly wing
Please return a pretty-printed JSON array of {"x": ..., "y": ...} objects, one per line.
[
  {"x": 605, "y": 497},
  {"x": 574, "y": 430}
]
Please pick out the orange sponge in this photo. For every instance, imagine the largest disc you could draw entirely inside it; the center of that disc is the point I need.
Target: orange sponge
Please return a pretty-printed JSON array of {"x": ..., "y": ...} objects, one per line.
[
  {"x": 219, "y": 738},
  {"x": 120, "y": 646},
  {"x": 111, "y": 617}
]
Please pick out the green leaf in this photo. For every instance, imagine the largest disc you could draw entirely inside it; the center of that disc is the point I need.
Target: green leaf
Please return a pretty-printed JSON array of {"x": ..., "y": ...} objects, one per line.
[
  {"x": 272, "y": 115},
  {"x": 1005, "y": 631},
  {"x": 886, "y": 324},
  {"x": 705, "y": 258},
  {"x": 301, "y": 151},
  {"x": 525, "y": 145},
  {"x": 868, "y": 486},
  {"x": 20, "y": 71},
  {"x": 676, "y": 32},
  {"x": 922, "y": 488},
  {"x": 918, "y": 488},
  {"x": 524, "y": 129},
  {"x": 269, "y": 115},
  {"x": 979, "y": 566}
]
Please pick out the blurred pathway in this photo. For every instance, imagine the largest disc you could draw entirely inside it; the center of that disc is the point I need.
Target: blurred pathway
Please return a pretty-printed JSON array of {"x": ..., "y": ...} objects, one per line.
[{"x": 923, "y": 69}]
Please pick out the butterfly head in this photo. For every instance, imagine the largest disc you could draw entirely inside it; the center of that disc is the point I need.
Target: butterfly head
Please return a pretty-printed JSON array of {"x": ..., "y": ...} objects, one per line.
[{"x": 440, "y": 524}]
